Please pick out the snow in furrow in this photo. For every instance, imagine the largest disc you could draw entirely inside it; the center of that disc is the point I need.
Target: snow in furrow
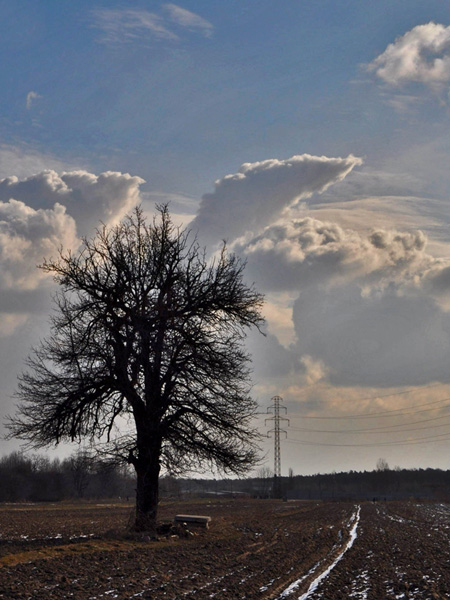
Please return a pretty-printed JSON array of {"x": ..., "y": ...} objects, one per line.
[{"x": 353, "y": 535}]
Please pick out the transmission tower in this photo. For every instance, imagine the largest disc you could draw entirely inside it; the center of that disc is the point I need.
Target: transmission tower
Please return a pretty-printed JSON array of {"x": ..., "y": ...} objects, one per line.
[{"x": 276, "y": 407}]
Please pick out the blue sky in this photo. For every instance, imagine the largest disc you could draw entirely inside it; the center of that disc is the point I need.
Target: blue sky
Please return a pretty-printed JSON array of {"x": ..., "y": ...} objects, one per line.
[
  {"x": 105, "y": 104},
  {"x": 263, "y": 80}
]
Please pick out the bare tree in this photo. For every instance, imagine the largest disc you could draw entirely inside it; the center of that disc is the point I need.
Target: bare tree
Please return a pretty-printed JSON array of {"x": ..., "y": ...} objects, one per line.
[
  {"x": 148, "y": 331},
  {"x": 382, "y": 464},
  {"x": 265, "y": 476}
]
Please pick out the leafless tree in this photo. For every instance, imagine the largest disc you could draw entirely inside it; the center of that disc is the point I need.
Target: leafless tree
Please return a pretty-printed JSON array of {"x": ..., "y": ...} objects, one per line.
[
  {"x": 382, "y": 464},
  {"x": 150, "y": 333},
  {"x": 265, "y": 477}
]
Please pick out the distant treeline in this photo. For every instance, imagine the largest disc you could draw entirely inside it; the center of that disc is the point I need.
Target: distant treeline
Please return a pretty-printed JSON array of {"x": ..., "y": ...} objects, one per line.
[
  {"x": 433, "y": 484},
  {"x": 33, "y": 478},
  {"x": 368, "y": 485}
]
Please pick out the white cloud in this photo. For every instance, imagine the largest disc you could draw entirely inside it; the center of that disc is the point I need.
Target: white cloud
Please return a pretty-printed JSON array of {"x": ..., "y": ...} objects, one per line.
[
  {"x": 31, "y": 96},
  {"x": 300, "y": 252},
  {"x": 26, "y": 237},
  {"x": 277, "y": 311},
  {"x": 124, "y": 25},
  {"x": 365, "y": 304},
  {"x": 420, "y": 55},
  {"x": 372, "y": 308},
  {"x": 131, "y": 24},
  {"x": 88, "y": 198},
  {"x": 189, "y": 20},
  {"x": 42, "y": 213},
  {"x": 259, "y": 192},
  {"x": 315, "y": 370}
]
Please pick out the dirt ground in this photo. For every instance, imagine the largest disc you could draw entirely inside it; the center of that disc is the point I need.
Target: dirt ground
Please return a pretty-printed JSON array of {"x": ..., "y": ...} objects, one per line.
[{"x": 253, "y": 549}]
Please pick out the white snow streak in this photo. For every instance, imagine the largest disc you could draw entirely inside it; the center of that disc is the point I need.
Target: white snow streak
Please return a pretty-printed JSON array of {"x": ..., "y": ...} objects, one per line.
[
  {"x": 353, "y": 535},
  {"x": 296, "y": 583}
]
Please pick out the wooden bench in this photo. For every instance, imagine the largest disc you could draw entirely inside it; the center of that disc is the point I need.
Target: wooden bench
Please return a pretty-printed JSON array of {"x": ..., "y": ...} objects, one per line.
[{"x": 199, "y": 520}]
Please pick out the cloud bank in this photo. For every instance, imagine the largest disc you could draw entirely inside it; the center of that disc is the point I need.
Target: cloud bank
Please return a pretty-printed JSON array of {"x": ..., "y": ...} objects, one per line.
[
  {"x": 88, "y": 198},
  {"x": 26, "y": 237},
  {"x": 349, "y": 305},
  {"x": 370, "y": 308},
  {"x": 45, "y": 212},
  {"x": 300, "y": 252}
]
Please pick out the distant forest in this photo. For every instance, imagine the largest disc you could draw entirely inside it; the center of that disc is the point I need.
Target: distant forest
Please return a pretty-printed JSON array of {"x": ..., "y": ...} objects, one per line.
[{"x": 33, "y": 478}]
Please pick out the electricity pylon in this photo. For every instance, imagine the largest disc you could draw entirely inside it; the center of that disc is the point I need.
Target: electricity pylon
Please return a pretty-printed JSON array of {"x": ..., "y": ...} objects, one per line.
[{"x": 276, "y": 407}]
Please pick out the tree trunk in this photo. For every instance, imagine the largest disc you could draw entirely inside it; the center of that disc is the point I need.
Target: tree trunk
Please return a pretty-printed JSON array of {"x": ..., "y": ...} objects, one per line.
[{"x": 147, "y": 495}]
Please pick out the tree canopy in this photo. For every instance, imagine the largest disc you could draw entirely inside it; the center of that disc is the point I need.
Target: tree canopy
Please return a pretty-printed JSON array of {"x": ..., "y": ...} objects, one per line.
[{"x": 146, "y": 353}]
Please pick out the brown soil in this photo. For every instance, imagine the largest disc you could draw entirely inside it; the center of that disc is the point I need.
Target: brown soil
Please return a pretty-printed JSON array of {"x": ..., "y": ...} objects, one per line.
[{"x": 253, "y": 549}]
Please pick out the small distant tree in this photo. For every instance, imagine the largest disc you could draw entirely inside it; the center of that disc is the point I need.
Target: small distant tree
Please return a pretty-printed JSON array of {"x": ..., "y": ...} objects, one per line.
[
  {"x": 146, "y": 330},
  {"x": 265, "y": 476},
  {"x": 382, "y": 464},
  {"x": 291, "y": 478}
]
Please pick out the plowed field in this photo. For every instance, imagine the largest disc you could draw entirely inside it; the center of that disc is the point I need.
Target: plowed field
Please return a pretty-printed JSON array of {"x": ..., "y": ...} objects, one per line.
[{"x": 253, "y": 549}]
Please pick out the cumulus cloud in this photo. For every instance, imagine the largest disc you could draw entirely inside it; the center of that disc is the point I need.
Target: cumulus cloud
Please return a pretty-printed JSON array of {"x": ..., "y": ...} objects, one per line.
[
  {"x": 345, "y": 305},
  {"x": 300, "y": 252},
  {"x": 88, "y": 198},
  {"x": 189, "y": 20},
  {"x": 42, "y": 213},
  {"x": 26, "y": 237},
  {"x": 259, "y": 192},
  {"x": 363, "y": 304},
  {"x": 372, "y": 308},
  {"x": 420, "y": 55}
]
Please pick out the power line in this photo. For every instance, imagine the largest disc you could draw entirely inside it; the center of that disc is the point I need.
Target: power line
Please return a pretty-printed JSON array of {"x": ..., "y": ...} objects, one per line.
[
  {"x": 378, "y": 396},
  {"x": 405, "y": 411},
  {"x": 380, "y": 413},
  {"x": 379, "y": 430},
  {"x": 424, "y": 387},
  {"x": 434, "y": 405},
  {"x": 441, "y": 437}
]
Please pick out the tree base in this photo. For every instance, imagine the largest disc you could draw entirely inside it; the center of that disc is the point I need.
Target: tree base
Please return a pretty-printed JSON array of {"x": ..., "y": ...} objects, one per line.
[{"x": 145, "y": 523}]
